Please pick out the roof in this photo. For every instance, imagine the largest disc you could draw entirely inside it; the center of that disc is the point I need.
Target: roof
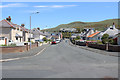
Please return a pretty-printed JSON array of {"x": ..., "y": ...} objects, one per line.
[
  {"x": 112, "y": 31},
  {"x": 55, "y": 37},
  {"x": 18, "y": 26},
  {"x": 17, "y": 35},
  {"x": 92, "y": 35},
  {"x": 5, "y": 23}
]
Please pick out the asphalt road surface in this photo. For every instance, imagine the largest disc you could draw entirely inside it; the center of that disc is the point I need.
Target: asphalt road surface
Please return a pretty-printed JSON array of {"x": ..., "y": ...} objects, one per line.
[{"x": 62, "y": 61}]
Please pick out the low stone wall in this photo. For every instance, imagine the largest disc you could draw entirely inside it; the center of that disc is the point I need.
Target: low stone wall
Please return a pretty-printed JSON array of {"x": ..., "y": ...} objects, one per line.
[
  {"x": 114, "y": 48},
  {"x": 18, "y": 48}
]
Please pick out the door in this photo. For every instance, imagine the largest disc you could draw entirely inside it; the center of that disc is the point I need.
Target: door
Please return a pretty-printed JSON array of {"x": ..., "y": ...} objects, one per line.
[{"x": 5, "y": 41}]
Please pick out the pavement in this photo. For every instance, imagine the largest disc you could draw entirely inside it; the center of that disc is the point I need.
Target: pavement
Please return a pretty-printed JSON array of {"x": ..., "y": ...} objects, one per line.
[
  {"x": 63, "y": 61},
  {"x": 104, "y": 52},
  {"x": 31, "y": 52}
]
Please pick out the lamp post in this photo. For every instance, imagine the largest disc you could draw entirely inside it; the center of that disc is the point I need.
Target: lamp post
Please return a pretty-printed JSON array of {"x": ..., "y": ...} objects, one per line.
[{"x": 30, "y": 27}]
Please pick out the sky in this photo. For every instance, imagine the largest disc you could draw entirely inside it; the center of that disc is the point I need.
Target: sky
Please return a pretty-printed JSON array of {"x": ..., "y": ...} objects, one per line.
[{"x": 52, "y": 14}]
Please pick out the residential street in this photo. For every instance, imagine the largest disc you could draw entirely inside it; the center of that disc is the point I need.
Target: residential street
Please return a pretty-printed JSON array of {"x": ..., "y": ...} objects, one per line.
[{"x": 63, "y": 61}]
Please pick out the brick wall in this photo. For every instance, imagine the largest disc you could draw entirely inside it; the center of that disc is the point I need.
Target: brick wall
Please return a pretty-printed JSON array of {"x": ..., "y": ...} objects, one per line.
[
  {"x": 97, "y": 46},
  {"x": 13, "y": 49},
  {"x": 17, "y": 48},
  {"x": 114, "y": 48}
]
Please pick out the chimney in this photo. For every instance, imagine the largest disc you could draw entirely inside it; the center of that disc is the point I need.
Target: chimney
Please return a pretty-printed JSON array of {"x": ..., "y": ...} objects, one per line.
[
  {"x": 22, "y": 25},
  {"x": 113, "y": 25},
  {"x": 8, "y": 19},
  {"x": 38, "y": 28}
]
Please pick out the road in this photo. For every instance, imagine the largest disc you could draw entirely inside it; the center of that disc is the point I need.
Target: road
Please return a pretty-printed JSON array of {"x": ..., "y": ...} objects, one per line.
[{"x": 62, "y": 61}]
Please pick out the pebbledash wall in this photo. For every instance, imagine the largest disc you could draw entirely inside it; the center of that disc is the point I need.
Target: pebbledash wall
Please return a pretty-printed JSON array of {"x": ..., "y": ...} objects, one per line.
[{"x": 18, "y": 48}]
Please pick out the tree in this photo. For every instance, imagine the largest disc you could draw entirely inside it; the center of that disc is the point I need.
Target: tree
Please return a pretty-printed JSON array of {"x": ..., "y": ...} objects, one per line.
[
  {"x": 78, "y": 37},
  {"x": 111, "y": 41},
  {"x": 44, "y": 39},
  {"x": 78, "y": 29},
  {"x": 105, "y": 38}
]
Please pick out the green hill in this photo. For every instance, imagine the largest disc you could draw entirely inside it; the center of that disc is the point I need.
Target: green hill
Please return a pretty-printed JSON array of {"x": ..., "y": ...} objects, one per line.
[{"x": 97, "y": 25}]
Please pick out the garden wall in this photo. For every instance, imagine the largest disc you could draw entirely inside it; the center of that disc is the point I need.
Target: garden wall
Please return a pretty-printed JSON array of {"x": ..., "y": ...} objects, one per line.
[
  {"x": 97, "y": 46},
  {"x": 17, "y": 48},
  {"x": 114, "y": 48}
]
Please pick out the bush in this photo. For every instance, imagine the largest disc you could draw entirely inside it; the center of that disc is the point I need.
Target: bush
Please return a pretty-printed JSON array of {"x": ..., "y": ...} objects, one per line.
[
  {"x": 111, "y": 41},
  {"x": 99, "y": 42},
  {"x": 3, "y": 45},
  {"x": 32, "y": 42},
  {"x": 12, "y": 45},
  {"x": 77, "y": 38},
  {"x": 105, "y": 38},
  {"x": 45, "y": 39}
]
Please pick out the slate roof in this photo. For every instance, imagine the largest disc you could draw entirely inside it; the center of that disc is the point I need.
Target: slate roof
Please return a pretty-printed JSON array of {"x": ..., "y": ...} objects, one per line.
[
  {"x": 112, "y": 31},
  {"x": 5, "y": 23},
  {"x": 38, "y": 32}
]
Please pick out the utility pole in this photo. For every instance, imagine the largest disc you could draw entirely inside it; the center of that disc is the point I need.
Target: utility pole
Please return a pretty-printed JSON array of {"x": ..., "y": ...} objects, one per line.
[
  {"x": 30, "y": 32},
  {"x": 30, "y": 27}
]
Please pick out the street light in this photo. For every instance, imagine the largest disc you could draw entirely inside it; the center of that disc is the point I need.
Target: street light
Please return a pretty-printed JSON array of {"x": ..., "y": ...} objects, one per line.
[{"x": 30, "y": 26}]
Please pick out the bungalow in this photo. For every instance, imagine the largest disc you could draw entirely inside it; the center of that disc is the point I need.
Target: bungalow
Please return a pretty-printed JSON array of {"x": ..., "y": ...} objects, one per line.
[
  {"x": 93, "y": 36},
  {"x": 86, "y": 33},
  {"x": 118, "y": 38},
  {"x": 111, "y": 31}
]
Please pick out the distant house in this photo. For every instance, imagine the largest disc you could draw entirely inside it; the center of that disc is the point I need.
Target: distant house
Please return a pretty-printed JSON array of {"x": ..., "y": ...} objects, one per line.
[
  {"x": 37, "y": 34},
  {"x": 111, "y": 31},
  {"x": 118, "y": 38},
  {"x": 68, "y": 29},
  {"x": 47, "y": 34},
  {"x": 94, "y": 36},
  {"x": 86, "y": 33},
  {"x": 56, "y": 36}
]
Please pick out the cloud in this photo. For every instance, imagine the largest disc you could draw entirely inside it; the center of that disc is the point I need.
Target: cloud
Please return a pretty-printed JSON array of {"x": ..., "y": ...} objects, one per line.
[
  {"x": 56, "y": 6},
  {"x": 13, "y": 5}
]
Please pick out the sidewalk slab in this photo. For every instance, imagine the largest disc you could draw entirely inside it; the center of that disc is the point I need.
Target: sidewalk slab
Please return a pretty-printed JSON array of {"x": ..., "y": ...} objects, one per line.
[{"x": 23, "y": 54}]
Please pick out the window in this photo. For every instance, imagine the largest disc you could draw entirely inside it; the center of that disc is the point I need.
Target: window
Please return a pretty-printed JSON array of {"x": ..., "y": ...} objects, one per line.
[
  {"x": 1, "y": 38},
  {"x": 16, "y": 38}
]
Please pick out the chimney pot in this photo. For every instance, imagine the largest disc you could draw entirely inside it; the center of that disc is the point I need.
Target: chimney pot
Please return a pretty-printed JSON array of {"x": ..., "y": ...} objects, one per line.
[
  {"x": 38, "y": 28},
  {"x": 8, "y": 19},
  {"x": 22, "y": 25}
]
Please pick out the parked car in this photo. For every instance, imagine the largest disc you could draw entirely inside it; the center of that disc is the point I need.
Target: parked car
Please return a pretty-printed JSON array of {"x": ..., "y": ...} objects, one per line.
[
  {"x": 57, "y": 40},
  {"x": 53, "y": 42},
  {"x": 39, "y": 40},
  {"x": 11, "y": 42}
]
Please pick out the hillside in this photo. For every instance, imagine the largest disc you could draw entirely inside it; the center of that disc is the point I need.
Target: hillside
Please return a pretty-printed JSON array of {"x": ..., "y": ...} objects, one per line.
[{"x": 97, "y": 25}]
